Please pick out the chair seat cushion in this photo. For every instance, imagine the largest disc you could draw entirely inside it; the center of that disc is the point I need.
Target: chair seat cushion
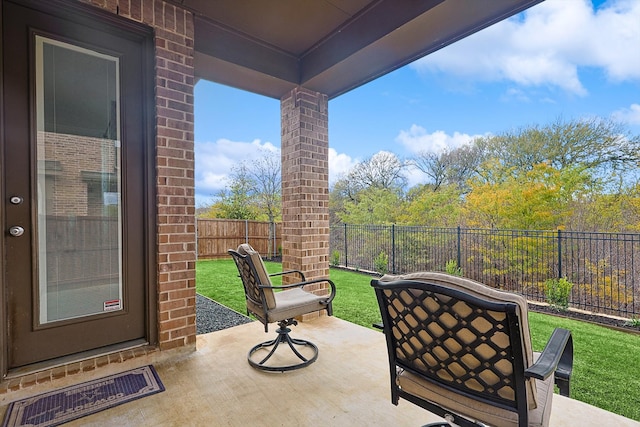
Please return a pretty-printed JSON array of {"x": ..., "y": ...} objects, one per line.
[
  {"x": 295, "y": 302},
  {"x": 486, "y": 413}
]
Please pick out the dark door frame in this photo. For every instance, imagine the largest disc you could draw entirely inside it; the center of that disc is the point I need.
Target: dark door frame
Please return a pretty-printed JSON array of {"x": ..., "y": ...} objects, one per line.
[{"x": 97, "y": 18}]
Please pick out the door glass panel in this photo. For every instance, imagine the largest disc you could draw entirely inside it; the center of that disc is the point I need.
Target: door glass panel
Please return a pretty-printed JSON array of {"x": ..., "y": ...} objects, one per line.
[{"x": 79, "y": 225}]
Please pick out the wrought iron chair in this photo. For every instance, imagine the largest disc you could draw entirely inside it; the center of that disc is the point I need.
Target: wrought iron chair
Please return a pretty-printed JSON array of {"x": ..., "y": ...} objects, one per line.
[
  {"x": 463, "y": 351},
  {"x": 282, "y": 307}
]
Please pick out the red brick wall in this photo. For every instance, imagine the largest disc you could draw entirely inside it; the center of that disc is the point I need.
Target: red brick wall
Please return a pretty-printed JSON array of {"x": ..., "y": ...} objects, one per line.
[
  {"x": 175, "y": 163},
  {"x": 74, "y": 155},
  {"x": 305, "y": 184}
]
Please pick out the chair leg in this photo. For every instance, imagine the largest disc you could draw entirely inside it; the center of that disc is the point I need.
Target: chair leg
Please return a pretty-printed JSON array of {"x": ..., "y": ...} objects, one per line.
[
  {"x": 272, "y": 346},
  {"x": 563, "y": 386}
]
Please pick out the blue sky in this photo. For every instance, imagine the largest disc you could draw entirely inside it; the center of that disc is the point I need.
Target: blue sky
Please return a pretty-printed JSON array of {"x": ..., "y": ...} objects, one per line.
[{"x": 561, "y": 58}]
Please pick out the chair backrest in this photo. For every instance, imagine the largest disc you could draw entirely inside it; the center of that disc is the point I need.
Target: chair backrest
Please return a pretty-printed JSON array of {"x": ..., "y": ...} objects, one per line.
[
  {"x": 459, "y": 334},
  {"x": 254, "y": 275}
]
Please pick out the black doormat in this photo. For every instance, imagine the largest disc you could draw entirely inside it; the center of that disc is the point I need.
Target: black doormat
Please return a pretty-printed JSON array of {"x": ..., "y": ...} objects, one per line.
[{"x": 63, "y": 405}]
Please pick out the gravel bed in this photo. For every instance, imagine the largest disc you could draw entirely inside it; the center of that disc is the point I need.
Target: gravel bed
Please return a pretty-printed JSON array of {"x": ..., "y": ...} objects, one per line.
[{"x": 211, "y": 316}]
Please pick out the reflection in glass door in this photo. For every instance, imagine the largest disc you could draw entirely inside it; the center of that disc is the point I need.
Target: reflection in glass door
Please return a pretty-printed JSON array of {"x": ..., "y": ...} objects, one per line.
[{"x": 79, "y": 225}]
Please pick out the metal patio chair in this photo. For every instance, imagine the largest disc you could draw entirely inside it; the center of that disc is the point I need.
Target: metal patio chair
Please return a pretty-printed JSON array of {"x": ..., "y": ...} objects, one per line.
[
  {"x": 281, "y": 307},
  {"x": 462, "y": 350}
]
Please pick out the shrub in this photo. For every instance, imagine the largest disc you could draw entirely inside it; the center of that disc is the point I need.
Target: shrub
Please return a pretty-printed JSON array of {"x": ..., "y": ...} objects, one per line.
[
  {"x": 451, "y": 267},
  {"x": 557, "y": 293},
  {"x": 633, "y": 322},
  {"x": 381, "y": 263},
  {"x": 335, "y": 258}
]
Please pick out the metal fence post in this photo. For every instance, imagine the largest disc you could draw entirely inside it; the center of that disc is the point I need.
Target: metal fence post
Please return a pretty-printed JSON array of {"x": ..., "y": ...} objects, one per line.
[
  {"x": 346, "y": 254},
  {"x": 393, "y": 248},
  {"x": 459, "y": 249},
  {"x": 559, "y": 254}
]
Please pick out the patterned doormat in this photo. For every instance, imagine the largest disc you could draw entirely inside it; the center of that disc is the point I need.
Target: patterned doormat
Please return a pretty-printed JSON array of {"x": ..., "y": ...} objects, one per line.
[{"x": 63, "y": 405}]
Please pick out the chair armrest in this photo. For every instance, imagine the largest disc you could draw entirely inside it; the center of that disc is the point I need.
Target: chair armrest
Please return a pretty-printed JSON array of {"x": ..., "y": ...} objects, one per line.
[
  {"x": 300, "y": 273},
  {"x": 308, "y": 282},
  {"x": 557, "y": 358}
]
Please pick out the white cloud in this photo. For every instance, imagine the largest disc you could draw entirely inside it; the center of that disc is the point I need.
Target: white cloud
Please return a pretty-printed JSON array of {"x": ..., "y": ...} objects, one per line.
[
  {"x": 215, "y": 160},
  {"x": 417, "y": 140},
  {"x": 629, "y": 115},
  {"x": 339, "y": 165},
  {"x": 548, "y": 45},
  {"x": 415, "y": 176},
  {"x": 516, "y": 94}
]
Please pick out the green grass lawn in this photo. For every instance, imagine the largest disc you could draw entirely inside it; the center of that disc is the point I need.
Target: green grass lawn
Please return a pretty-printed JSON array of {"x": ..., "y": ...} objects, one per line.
[{"x": 606, "y": 362}]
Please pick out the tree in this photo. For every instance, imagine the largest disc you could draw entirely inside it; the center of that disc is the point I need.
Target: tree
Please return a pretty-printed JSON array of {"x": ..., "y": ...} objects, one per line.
[
  {"x": 463, "y": 164},
  {"x": 235, "y": 202},
  {"x": 253, "y": 192},
  {"x": 379, "y": 176},
  {"x": 375, "y": 205},
  {"x": 601, "y": 147},
  {"x": 451, "y": 167},
  {"x": 540, "y": 198},
  {"x": 338, "y": 195},
  {"x": 424, "y": 206},
  {"x": 599, "y": 156},
  {"x": 598, "y": 211},
  {"x": 433, "y": 165},
  {"x": 266, "y": 186},
  {"x": 265, "y": 178},
  {"x": 382, "y": 170}
]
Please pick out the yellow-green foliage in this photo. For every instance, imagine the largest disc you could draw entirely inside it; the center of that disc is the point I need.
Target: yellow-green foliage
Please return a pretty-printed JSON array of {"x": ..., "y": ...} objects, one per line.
[
  {"x": 537, "y": 198},
  {"x": 335, "y": 258},
  {"x": 424, "y": 206},
  {"x": 381, "y": 263},
  {"x": 557, "y": 292},
  {"x": 372, "y": 206},
  {"x": 607, "y": 286},
  {"x": 452, "y": 268}
]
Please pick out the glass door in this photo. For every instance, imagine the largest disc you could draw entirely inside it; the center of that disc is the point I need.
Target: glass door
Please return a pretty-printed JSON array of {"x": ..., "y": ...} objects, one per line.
[{"x": 79, "y": 182}]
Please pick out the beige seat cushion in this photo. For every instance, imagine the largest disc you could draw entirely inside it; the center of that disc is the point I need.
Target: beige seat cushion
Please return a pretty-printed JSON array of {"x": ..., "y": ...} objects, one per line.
[
  {"x": 482, "y": 291},
  {"x": 485, "y": 413},
  {"x": 263, "y": 276},
  {"x": 295, "y": 302}
]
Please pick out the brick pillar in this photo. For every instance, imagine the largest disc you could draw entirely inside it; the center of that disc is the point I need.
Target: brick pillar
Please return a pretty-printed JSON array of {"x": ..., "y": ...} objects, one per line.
[
  {"x": 176, "y": 256},
  {"x": 175, "y": 168},
  {"x": 305, "y": 185}
]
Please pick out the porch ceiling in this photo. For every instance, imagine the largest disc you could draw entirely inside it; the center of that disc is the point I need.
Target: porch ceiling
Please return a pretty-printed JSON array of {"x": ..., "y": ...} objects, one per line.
[{"x": 329, "y": 46}]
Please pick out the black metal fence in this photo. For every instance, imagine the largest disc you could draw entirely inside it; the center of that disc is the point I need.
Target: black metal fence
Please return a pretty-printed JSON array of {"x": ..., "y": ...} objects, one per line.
[{"x": 603, "y": 267}]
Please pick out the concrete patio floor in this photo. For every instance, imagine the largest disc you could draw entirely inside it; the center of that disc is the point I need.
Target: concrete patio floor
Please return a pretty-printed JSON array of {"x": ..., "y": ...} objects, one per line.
[{"x": 215, "y": 386}]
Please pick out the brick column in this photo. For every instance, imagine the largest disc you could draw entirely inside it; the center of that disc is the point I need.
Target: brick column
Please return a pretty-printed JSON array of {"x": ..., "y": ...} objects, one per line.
[
  {"x": 175, "y": 168},
  {"x": 176, "y": 256},
  {"x": 305, "y": 184}
]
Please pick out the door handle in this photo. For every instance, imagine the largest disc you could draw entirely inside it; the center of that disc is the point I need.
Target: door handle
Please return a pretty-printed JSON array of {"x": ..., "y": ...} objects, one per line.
[{"x": 16, "y": 231}]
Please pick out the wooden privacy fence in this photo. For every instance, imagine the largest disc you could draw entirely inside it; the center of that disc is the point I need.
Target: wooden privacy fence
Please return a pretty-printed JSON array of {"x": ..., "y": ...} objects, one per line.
[
  {"x": 82, "y": 250},
  {"x": 216, "y": 236}
]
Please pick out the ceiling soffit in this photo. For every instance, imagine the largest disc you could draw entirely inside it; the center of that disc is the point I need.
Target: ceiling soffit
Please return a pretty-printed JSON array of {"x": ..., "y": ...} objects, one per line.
[{"x": 270, "y": 47}]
